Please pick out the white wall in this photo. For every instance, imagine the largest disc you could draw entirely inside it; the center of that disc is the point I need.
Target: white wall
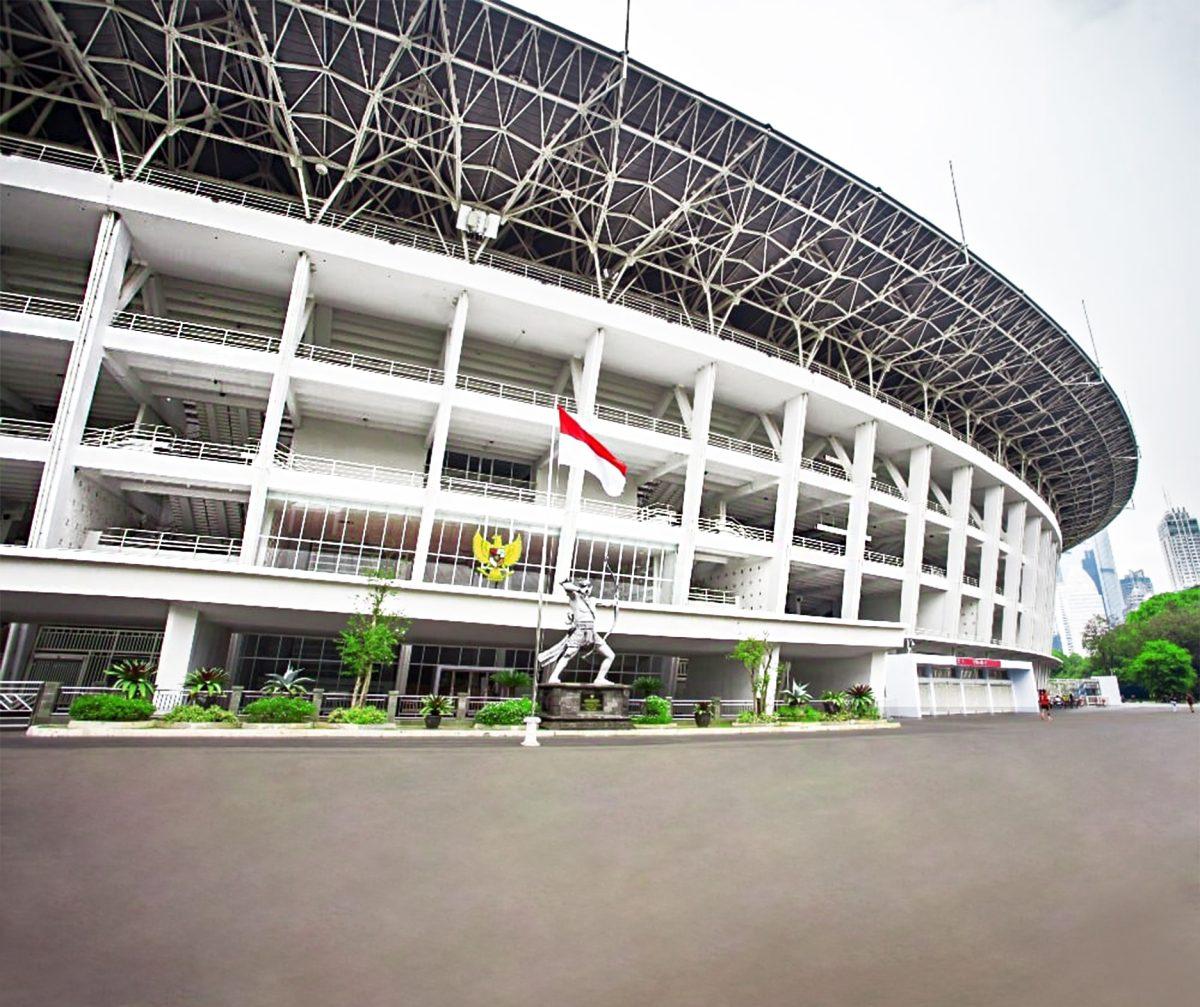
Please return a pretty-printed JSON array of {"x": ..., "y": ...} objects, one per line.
[
  {"x": 360, "y": 443},
  {"x": 749, "y": 579},
  {"x": 901, "y": 695},
  {"x": 91, "y": 507}
]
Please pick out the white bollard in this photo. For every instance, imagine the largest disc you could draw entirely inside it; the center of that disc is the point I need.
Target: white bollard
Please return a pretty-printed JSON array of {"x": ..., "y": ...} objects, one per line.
[{"x": 531, "y": 727}]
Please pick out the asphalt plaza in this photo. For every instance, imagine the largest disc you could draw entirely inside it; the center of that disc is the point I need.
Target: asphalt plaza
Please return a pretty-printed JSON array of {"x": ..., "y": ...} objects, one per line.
[{"x": 993, "y": 860}]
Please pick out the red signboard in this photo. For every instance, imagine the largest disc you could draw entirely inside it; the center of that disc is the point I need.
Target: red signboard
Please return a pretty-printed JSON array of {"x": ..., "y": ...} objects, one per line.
[{"x": 977, "y": 662}]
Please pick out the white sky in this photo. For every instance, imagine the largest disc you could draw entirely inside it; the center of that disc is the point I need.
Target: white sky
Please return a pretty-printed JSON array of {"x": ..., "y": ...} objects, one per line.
[{"x": 1075, "y": 134}]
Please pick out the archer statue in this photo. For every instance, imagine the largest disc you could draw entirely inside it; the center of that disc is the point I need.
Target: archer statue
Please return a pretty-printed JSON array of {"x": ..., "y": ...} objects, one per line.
[{"x": 581, "y": 635}]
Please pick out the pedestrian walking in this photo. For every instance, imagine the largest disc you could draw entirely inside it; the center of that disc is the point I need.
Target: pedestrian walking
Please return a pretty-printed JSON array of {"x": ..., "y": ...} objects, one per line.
[
  {"x": 1174, "y": 702},
  {"x": 1044, "y": 705},
  {"x": 1191, "y": 702}
]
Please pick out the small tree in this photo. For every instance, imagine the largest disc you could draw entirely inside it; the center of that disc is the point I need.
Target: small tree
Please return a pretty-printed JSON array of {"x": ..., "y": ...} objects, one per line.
[
  {"x": 754, "y": 654},
  {"x": 371, "y": 636},
  {"x": 647, "y": 685},
  {"x": 1094, "y": 631},
  {"x": 1163, "y": 669},
  {"x": 511, "y": 680}
]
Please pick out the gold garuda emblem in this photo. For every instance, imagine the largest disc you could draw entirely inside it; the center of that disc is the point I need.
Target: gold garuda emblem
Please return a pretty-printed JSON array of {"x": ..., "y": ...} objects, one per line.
[{"x": 496, "y": 558}]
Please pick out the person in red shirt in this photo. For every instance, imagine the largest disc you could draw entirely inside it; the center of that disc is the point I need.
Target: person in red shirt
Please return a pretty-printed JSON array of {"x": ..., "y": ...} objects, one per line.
[{"x": 1044, "y": 704}]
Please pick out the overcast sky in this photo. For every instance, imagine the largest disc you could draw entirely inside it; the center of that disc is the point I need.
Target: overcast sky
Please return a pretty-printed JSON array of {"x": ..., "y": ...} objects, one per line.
[{"x": 1075, "y": 135}]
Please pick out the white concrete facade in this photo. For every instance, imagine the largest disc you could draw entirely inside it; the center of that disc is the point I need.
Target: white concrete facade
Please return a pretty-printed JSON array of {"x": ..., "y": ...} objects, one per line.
[{"x": 763, "y": 498}]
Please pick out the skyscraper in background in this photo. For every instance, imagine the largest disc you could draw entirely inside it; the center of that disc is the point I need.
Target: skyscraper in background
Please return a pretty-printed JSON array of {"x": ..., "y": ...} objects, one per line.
[
  {"x": 1076, "y": 602},
  {"x": 1179, "y": 535},
  {"x": 1136, "y": 587},
  {"x": 1099, "y": 564}
]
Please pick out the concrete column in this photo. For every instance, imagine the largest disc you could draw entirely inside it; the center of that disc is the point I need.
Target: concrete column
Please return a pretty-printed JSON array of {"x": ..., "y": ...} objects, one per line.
[
  {"x": 919, "y": 460},
  {"x": 956, "y": 553},
  {"x": 989, "y": 561},
  {"x": 794, "y": 414},
  {"x": 585, "y": 399},
  {"x": 1029, "y": 582},
  {"x": 451, "y": 356},
  {"x": 702, "y": 400},
  {"x": 403, "y": 664},
  {"x": 293, "y": 328},
  {"x": 189, "y": 641},
  {"x": 1045, "y": 593},
  {"x": 772, "y": 680},
  {"x": 100, "y": 298},
  {"x": 1014, "y": 537},
  {"x": 18, "y": 649},
  {"x": 856, "y": 525}
]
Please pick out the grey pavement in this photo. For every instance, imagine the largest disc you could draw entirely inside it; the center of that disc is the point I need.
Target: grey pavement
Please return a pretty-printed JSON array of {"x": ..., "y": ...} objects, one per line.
[{"x": 990, "y": 861}]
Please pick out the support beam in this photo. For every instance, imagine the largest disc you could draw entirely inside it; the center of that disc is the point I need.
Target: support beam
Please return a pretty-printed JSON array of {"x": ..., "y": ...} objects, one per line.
[
  {"x": 919, "y": 459},
  {"x": 665, "y": 469},
  {"x": 989, "y": 561},
  {"x": 700, "y": 417},
  {"x": 940, "y": 496},
  {"x": 856, "y": 524},
  {"x": 685, "y": 408},
  {"x": 133, "y": 283},
  {"x": 840, "y": 455},
  {"x": 772, "y": 432},
  {"x": 747, "y": 489},
  {"x": 167, "y": 410},
  {"x": 791, "y": 443},
  {"x": 1014, "y": 537},
  {"x": 956, "y": 553},
  {"x": 897, "y": 478}
]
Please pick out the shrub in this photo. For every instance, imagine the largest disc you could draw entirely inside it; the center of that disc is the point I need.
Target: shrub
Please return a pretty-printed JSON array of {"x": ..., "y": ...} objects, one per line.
[
  {"x": 204, "y": 684},
  {"x": 358, "y": 715},
  {"x": 134, "y": 678},
  {"x": 798, "y": 714},
  {"x": 511, "y": 680},
  {"x": 647, "y": 685},
  {"x": 105, "y": 706},
  {"x": 657, "y": 711},
  {"x": 796, "y": 694},
  {"x": 834, "y": 702},
  {"x": 279, "y": 710},
  {"x": 201, "y": 715},
  {"x": 289, "y": 683},
  {"x": 750, "y": 717},
  {"x": 508, "y": 713},
  {"x": 860, "y": 703}
]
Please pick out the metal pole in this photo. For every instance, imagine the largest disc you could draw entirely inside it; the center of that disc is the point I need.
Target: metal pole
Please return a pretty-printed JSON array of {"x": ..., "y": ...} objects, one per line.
[{"x": 532, "y": 721}]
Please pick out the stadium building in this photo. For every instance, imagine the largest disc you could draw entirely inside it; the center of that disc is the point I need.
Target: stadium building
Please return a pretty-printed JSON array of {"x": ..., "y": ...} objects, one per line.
[{"x": 294, "y": 290}]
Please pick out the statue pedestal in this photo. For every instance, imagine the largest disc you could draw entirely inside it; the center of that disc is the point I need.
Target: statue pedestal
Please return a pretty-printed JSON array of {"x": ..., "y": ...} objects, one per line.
[{"x": 572, "y": 707}]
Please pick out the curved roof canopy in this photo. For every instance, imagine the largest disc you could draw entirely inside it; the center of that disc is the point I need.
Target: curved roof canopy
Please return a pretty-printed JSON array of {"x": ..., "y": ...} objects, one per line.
[{"x": 598, "y": 166}]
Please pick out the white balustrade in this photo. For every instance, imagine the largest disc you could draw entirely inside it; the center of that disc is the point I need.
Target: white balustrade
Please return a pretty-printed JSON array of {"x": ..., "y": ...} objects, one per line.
[
  {"x": 144, "y": 540},
  {"x": 629, "y": 418},
  {"x": 346, "y": 469},
  {"x": 729, "y": 526},
  {"x": 742, "y": 446},
  {"x": 515, "y": 393},
  {"x": 32, "y": 430},
  {"x": 823, "y": 467},
  {"x": 820, "y": 545},
  {"x": 712, "y": 596},
  {"x": 882, "y": 557},
  {"x": 161, "y": 440},
  {"x": 45, "y": 307},
  {"x": 374, "y": 365},
  {"x": 234, "y": 338}
]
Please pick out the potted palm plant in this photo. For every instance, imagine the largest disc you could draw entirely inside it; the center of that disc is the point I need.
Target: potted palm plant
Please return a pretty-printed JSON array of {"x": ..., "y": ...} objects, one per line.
[
  {"x": 433, "y": 709},
  {"x": 703, "y": 712},
  {"x": 204, "y": 685}
]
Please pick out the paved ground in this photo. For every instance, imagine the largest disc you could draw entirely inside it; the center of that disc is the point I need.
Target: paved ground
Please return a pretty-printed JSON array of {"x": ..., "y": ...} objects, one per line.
[{"x": 990, "y": 861}]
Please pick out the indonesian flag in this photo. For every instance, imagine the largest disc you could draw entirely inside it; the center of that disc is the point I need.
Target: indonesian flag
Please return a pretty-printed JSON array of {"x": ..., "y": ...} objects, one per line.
[{"x": 577, "y": 447}]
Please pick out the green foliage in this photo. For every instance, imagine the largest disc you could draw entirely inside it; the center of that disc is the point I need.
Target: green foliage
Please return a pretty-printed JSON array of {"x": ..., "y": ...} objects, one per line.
[
  {"x": 754, "y": 654},
  {"x": 1173, "y": 617},
  {"x": 291, "y": 683},
  {"x": 201, "y": 715},
  {"x": 358, "y": 715},
  {"x": 506, "y": 714},
  {"x": 371, "y": 636},
  {"x": 1073, "y": 666},
  {"x": 279, "y": 710},
  {"x": 647, "y": 685},
  {"x": 796, "y": 694},
  {"x": 860, "y": 703},
  {"x": 1163, "y": 669},
  {"x": 437, "y": 706},
  {"x": 835, "y": 701},
  {"x": 798, "y": 714},
  {"x": 105, "y": 706},
  {"x": 511, "y": 680},
  {"x": 655, "y": 711},
  {"x": 1168, "y": 601},
  {"x": 134, "y": 678},
  {"x": 207, "y": 682},
  {"x": 750, "y": 717}
]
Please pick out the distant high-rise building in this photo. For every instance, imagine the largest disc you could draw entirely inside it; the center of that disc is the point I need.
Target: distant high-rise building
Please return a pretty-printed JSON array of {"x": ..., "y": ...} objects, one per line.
[
  {"x": 1077, "y": 602},
  {"x": 1099, "y": 564},
  {"x": 1135, "y": 589},
  {"x": 1179, "y": 534}
]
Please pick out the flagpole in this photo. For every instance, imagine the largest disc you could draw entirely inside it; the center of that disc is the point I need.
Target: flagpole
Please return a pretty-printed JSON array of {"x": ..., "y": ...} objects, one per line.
[{"x": 551, "y": 474}]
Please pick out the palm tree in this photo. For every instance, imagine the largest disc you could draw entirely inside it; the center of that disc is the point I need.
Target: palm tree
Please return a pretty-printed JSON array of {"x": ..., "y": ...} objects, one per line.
[{"x": 510, "y": 680}]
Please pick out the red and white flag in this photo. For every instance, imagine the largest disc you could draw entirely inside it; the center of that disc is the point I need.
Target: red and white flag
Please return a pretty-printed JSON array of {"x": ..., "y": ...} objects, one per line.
[{"x": 577, "y": 447}]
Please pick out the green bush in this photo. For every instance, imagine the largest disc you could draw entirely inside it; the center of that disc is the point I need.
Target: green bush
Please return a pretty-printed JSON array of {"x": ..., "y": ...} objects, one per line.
[
  {"x": 358, "y": 715},
  {"x": 657, "y": 711},
  {"x": 750, "y": 717},
  {"x": 105, "y": 706},
  {"x": 506, "y": 714},
  {"x": 201, "y": 715},
  {"x": 647, "y": 685},
  {"x": 278, "y": 710},
  {"x": 798, "y": 714}
]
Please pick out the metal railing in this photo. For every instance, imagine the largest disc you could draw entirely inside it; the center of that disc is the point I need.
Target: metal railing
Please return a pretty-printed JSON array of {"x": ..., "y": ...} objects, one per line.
[
  {"x": 938, "y": 508},
  {"x": 731, "y": 527},
  {"x": 45, "y": 307},
  {"x": 160, "y": 440},
  {"x": 630, "y": 512},
  {"x": 196, "y": 332},
  {"x": 17, "y": 702},
  {"x": 346, "y": 469},
  {"x": 629, "y": 418},
  {"x": 500, "y": 491},
  {"x": 882, "y": 557},
  {"x": 823, "y": 467},
  {"x": 935, "y": 571},
  {"x": 514, "y": 393},
  {"x": 968, "y": 579},
  {"x": 717, "y": 440},
  {"x": 820, "y": 545},
  {"x": 374, "y": 365},
  {"x": 169, "y": 542},
  {"x": 30, "y": 430},
  {"x": 712, "y": 596},
  {"x": 378, "y": 228},
  {"x": 888, "y": 488}
]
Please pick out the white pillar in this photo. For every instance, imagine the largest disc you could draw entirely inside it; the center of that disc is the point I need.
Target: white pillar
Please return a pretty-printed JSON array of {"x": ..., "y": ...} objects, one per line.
[
  {"x": 956, "y": 552},
  {"x": 772, "y": 680},
  {"x": 702, "y": 400},
  {"x": 856, "y": 524},
  {"x": 189, "y": 641},
  {"x": 914, "y": 534},
  {"x": 989, "y": 561},
  {"x": 1029, "y": 582},
  {"x": 791, "y": 451},
  {"x": 585, "y": 398},
  {"x": 1014, "y": 537},
  {"x": 293, "y": 328},
  {"x": 451, "y": 356},
  {"x": 1045, "y": 592},
  {"x": 57, "y": 487}
]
